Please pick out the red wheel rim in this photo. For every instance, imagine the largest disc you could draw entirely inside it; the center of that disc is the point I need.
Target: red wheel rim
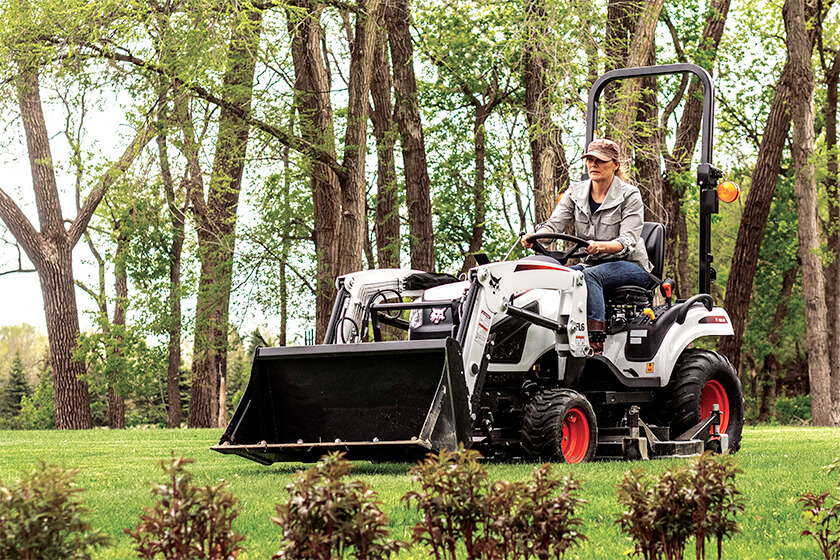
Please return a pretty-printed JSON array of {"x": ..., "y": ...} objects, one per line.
[
  {"x": 575, "y": 442},
  {"x": 715, "y": 394}
]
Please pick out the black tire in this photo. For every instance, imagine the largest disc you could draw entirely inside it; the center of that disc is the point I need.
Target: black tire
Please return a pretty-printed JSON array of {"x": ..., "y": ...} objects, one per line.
[
  {"x": 697, "y": 371},
  {"x": 547, "y": 427}
]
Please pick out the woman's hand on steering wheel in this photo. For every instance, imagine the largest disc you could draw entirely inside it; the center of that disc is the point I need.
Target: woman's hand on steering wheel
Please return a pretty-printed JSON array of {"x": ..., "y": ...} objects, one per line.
[{"x": 577, "y": 251}]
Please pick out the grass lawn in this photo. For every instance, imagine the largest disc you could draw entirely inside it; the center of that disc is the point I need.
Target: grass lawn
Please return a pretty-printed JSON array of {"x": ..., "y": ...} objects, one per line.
[{"x": 117, "y": 467}]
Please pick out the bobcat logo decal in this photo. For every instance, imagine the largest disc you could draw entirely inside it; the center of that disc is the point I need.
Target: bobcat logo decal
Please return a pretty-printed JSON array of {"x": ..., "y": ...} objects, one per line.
[
  {"x": 437, "y": 314},
  {"x": 494, "y": 283}
]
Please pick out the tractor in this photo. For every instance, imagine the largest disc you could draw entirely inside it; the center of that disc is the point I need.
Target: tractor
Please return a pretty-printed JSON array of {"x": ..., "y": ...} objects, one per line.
[{"x": 501, "y": 361}]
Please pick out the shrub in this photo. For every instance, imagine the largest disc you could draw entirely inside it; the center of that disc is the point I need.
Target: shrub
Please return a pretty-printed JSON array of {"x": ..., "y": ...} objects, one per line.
[
  {"x": 187, "y": 522},
  {"x": 326, "y": 516},
  {"x": 452, "y": 501},
  {"x": 499, "y": 520},
  {"x": 793, "y": 410},
  {"x": 37, "y": 412},
  {"x": 823, "y": 515},
  {"x": 41, "y": 517},
  {"x": 716, "y": 501},
  {"x": 698, "y": 499}
]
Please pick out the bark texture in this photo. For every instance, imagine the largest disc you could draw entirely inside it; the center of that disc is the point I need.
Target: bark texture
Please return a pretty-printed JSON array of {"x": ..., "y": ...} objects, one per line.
[
  {"x": 216, "y": 223},
  {"x": 542, "y": 132},
  {"x": 407, "y": 115},
  {"x": 799, "y": 50},
  {"x": 387, "y": 225},
  {"x": 354, "y": 187},
  {"x": 312, "y": 87}
]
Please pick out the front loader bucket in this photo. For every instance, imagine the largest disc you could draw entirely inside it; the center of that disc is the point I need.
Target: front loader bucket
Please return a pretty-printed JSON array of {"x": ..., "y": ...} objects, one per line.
[{"x": 376, "y": 400}]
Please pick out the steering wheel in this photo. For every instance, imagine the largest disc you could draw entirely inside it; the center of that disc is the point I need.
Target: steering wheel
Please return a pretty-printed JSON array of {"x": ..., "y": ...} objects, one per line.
[{"x": 576, "y": 252}]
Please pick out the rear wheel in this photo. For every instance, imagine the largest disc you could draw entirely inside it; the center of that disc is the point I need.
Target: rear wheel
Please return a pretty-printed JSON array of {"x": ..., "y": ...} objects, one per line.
[
  {"x": 702, "y": 379},
  {"x": 559, "y": 425}
]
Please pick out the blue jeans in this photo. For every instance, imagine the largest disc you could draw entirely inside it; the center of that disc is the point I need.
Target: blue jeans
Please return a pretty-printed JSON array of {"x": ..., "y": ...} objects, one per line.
[{"x": 606, "y": 276}]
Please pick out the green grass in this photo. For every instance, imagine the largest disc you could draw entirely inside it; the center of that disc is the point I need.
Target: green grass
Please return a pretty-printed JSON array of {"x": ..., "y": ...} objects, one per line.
[{"x": 117, "y": 467}]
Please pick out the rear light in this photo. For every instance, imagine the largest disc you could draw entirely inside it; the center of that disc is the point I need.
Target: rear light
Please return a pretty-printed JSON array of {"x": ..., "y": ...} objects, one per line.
[{"x": 728, "y": 191}]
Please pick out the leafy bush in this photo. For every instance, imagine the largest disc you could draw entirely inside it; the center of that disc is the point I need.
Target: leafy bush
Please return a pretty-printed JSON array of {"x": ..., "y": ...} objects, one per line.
[
  {"x": 326, "y": 516},
  {"x": 37, "y": 412},
  {"x": 499, "y": 520},
  {"x": 823, "y": 515},
  {"x": 41, "y": 517},
  {"x": 698, "y": 499},
  {"x": 187, "y": 522},
  {"x": 793, "y": 410}
]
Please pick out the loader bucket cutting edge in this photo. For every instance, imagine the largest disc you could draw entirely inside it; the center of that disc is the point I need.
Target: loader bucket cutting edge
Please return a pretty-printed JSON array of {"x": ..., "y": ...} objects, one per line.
[{"x": 380, "y": 400}]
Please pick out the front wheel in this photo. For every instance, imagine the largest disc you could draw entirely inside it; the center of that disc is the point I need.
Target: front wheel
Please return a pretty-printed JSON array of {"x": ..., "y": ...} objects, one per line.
[
  {"x": 702, "y": 379},
  {"x": 560, "y": 425}
]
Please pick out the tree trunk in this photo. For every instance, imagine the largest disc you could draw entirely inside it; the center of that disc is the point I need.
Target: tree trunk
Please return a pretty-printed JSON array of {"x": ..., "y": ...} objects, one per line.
[
  {"x": 216, "y": 222},
  {"x": 648, "y": 156},
  {"x": 177, "y": 216},
  {"x": 51, "y": 253},
  {"x": 832, "y": 282},
  {"x": 641, "y": 48},
  {"x": 387, "y": 225},
  {"x": 767, "y": 383},
  {"x": 116, "y": 402},
  {"x": 479, "y": 204},
  {"x": 353, "y": 188},
  {"x": 541, "y": 130},
  {"x": 312, "y": 87},
  {"x": 813, "y": 283},
  {"x": 407, "y": 115}
]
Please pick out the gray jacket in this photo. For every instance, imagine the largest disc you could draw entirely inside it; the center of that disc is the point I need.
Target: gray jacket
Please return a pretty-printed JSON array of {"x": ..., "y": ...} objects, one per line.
[{"x": 619, "y": 218}]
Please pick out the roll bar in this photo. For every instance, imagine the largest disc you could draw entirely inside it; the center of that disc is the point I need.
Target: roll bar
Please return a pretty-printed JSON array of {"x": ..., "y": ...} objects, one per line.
[{"x": 707, "y": 174}]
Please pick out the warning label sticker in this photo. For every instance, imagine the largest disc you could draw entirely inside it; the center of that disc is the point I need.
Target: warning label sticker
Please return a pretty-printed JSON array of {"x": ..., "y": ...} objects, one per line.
[{"x": 483, "y": 328}]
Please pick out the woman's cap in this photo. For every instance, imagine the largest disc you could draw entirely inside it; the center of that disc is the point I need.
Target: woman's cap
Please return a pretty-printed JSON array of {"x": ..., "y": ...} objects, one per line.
[{"x": 603, "y": 149}]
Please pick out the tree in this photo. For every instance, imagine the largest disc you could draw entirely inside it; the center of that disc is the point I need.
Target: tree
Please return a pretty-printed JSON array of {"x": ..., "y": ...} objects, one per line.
[
  {"x": 16, "y": 388},
  {"x": 216, "y": 222},
  {"x": 407, "y": 116},
  {"x": 50, "y": 249},
  {"x": 802, "y": 146}
]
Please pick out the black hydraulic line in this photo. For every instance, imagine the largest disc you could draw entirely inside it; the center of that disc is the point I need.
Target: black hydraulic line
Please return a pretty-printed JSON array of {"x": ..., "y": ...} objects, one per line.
[
  {"x": 536, "y": 319},
  {"x": 467, "y": 308},
  {"x": 411, "y": 305},
  {"x": 342, "y": 296}
]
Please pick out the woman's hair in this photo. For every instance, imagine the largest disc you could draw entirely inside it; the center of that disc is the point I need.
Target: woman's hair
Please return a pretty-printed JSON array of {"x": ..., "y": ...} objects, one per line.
[{"x": 619, "y": 171}]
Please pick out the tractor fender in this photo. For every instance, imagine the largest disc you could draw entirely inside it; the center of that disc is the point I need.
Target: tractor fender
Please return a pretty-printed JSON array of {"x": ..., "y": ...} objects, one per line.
[{"x": 688, "y": 324}]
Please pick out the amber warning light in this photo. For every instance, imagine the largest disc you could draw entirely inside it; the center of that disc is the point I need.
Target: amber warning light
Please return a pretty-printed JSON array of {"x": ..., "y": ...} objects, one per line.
[{"x": 728, "y": 191}]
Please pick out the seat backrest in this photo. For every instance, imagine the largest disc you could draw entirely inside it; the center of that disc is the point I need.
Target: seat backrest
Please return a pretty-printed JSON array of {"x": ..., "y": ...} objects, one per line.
[{"x": 653, "y": 234}]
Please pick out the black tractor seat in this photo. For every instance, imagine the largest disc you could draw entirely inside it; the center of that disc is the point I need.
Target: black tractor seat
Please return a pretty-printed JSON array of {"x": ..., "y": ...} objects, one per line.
[{"x": 653, "y": 235}]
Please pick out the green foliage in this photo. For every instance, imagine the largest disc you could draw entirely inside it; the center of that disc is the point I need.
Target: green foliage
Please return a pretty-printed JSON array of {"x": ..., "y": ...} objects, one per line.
[
  {"x": 119, "y": 357},
  {"x": 499, "y": 520},
  {"x": 38, "y": 411},
  {"x": 793, "y": 410},
  {"x": 327, "y": 517},
  {"x": 14, "y": 391},
  {"x": 187, "y": 521},
  {"x": 41, "y": 517},
  {"x": 822, "y": 513},
  {"x": 698, "y": 499}
]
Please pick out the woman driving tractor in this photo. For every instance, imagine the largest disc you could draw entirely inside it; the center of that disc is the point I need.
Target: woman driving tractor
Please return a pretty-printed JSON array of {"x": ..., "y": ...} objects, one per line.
[{"x": 609, "y": 213}]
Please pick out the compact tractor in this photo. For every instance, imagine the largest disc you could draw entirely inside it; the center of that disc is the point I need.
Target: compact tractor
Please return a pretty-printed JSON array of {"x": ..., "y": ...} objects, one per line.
[{"x": 502, "y": 361}]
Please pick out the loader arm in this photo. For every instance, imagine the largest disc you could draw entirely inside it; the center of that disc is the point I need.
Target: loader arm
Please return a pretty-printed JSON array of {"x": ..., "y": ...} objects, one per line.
[{"x": 493, "y": 294}]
